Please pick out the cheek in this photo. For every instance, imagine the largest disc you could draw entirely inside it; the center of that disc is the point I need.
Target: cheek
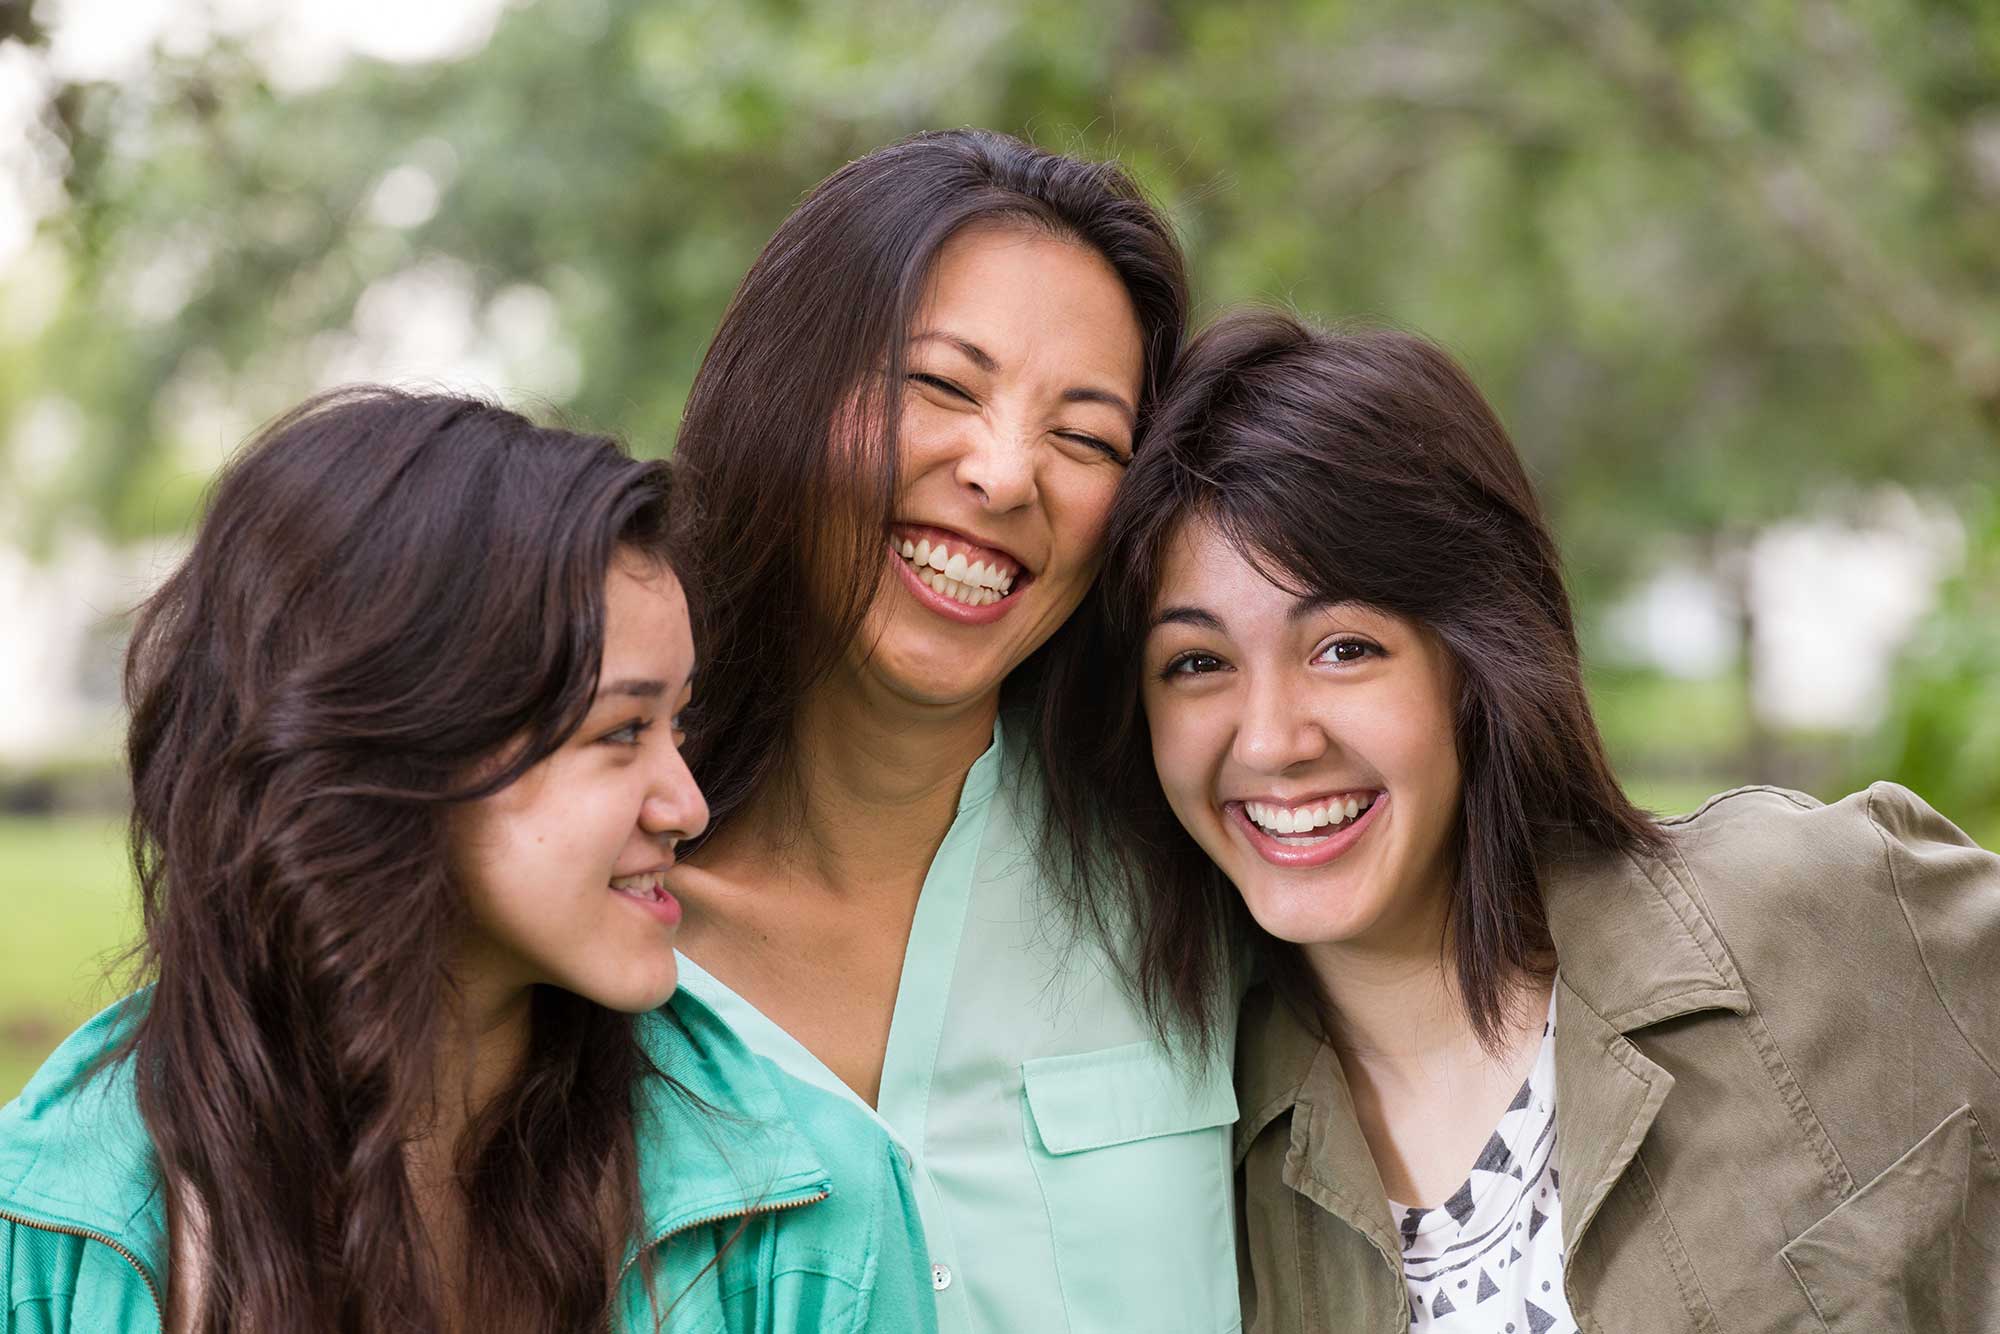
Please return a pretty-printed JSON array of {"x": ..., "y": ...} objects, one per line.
[
  {"x": 1183, "y": 753},
  {"x": 1079, "y": 507}
]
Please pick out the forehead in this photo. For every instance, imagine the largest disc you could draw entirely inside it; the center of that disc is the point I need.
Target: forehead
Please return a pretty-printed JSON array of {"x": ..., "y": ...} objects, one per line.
[
  {"x": 1038, "y": 297},
  {"x": 1201, "y": 565},
  {"x": 645, "y": 615}
]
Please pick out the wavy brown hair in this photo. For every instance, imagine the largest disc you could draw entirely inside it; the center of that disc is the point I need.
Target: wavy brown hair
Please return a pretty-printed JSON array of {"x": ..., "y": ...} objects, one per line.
[
  {"x": 781, "y": 504},
  {"x": 1361, "y": 467},
  {"x": 387, "y": 592}
]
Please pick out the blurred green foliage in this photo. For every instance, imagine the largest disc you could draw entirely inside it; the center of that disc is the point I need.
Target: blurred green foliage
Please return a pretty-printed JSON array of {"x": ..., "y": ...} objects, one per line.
[
  {"x": 1942, "y": 732},
  {"x": 65, "y": 895},
  {"x": 1712, "y": 263}
]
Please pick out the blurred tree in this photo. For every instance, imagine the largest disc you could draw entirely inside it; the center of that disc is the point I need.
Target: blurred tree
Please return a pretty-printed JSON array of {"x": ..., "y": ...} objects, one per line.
[{"x": 1710, "y": 261}]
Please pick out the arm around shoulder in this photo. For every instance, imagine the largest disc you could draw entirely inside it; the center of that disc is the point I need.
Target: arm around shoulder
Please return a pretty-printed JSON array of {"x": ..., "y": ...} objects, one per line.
[{"x": 1949, "y": 889}]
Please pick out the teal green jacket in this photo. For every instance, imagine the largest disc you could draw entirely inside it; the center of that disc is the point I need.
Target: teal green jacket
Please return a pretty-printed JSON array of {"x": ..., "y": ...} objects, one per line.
[{"x": 829, "y": 1236}]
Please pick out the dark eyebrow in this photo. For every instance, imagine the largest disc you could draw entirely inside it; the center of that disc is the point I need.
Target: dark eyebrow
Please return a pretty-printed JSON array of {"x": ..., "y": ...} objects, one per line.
[
  {"x": 974, "y": 353},
  {"x": 1307, "y": 607},
  {"x": 635, "y": 687},
  {"x": 983, "y": 359},
  {"x": 1194, "y": 616},
  {"x": 1104, "y": 396}
]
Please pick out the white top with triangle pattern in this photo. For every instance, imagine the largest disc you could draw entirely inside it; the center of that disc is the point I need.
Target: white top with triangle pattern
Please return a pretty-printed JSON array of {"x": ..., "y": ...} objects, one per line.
[{"x": 1489, "y": 1260}]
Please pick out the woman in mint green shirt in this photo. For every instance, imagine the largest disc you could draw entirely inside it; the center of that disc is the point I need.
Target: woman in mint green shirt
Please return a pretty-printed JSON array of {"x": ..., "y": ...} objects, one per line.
[
  {"x": 894, "y": 470},
  {"x": 406, "y": 780}
]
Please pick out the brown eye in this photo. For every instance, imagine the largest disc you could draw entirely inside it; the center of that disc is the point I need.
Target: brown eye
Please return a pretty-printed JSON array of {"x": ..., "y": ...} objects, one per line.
[{"x": 1348, "y": 650}]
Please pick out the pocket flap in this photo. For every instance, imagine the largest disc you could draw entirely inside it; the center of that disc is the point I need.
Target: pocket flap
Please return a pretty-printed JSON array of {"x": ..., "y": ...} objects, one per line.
[
  {"x": 1123, "y": 1094},
  {"x": 1915, "y": 1247}
]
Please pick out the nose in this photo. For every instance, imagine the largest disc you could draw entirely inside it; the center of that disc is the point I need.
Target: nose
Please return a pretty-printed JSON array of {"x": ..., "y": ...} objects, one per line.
[
  {"x": 997, "y": 464},
  {"x": 1276, "y": 731},
  {"x": 674, "y": 809}
]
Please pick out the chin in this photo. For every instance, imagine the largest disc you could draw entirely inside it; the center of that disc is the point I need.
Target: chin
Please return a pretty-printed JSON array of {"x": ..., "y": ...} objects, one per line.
[
  {"x": 939, "y": 677},
  {"x": 635, "y": 995},
  {"x": 1300, "y": 916}
]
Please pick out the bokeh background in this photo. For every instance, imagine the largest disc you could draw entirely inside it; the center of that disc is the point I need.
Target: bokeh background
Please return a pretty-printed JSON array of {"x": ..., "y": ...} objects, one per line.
[{"x": 1730, "y": 272}]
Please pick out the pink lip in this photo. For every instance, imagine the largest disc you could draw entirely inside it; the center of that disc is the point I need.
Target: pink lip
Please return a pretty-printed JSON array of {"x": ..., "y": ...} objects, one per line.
[
  {"x": 666, "y": 908},
  {"x": 1319, "y": 854},
  {"x": 946, "y": 607}
]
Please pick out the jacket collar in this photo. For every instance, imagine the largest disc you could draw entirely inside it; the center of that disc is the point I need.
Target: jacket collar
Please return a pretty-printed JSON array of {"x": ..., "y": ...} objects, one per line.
[
  {"x": 1633, "y": 948},
  {"x": 73, "y": 1150},
  {"x": 715, "y": 1139}
]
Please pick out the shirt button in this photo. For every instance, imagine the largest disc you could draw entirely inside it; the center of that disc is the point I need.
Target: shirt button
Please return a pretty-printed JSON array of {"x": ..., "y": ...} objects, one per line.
[
  {"x": 904, "y": 1155},
  {"x": 940, "y": 1277}
]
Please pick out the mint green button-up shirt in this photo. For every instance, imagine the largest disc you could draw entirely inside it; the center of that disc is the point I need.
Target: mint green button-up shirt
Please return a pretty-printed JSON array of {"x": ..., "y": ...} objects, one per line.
[{"x": 1072, "y": 1175}]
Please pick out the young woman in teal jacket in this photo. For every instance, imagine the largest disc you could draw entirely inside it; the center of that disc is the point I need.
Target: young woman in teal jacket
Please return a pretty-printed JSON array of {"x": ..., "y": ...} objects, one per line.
[{"x": 406, "y": 782}]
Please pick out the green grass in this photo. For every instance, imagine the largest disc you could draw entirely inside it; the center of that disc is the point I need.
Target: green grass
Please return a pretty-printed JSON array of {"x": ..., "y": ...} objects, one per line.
[{"x": 66, "y": 907}]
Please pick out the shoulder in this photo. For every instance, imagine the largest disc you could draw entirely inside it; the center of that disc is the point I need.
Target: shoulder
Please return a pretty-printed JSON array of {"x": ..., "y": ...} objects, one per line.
[
  {"x": 1784, "y": 850},
  {"x": 1811, "y": 896}
]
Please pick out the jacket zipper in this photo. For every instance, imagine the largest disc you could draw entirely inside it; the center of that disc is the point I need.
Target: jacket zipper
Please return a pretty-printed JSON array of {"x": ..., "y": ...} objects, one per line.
[
  {"x": 619, "y": 1282},
  {"x": 152, "y": 1290}
]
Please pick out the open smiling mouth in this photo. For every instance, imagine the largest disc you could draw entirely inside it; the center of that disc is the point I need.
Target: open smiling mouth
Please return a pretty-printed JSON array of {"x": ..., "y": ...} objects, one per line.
[
  {"x": 1309, "y": 833},
  {"x": 959, "y": 579}
]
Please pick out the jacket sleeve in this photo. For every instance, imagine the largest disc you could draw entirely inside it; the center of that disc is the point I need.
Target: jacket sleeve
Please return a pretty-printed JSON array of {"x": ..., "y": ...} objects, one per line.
[
  {"x": 1949, "y": 889},
  {"x": 900, "y": 1301}
]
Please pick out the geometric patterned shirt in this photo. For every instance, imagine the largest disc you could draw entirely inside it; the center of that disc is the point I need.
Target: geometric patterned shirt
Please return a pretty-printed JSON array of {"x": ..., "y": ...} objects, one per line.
[{"x": 1489, "y": 1260}]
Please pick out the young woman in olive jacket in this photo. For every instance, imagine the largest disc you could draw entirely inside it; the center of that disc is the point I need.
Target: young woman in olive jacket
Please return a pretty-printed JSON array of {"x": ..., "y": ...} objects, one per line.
[{"x": 1523, "y": 1060}]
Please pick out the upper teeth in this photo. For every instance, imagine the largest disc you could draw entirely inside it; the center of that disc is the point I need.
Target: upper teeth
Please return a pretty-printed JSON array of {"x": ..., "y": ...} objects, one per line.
[
  {"x": 956, "y": 575},
  {"x": 1305, "y": 819},
  {"x": 649, "y": 885}
]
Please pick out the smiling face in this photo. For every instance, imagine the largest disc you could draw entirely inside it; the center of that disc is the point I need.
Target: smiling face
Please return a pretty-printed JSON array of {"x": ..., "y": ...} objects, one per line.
[
  {"x": 562, "y": 869},
  {"x": 1307, "y": 747},
  {"x": 1016, "y": 425}
]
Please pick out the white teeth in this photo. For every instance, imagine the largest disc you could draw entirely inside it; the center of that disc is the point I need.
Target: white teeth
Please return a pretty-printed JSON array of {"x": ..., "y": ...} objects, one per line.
[
  {"x": 1285, "y": 820},
  {"x": 975, "y": 583},
  {"x": 652, "y": 885}
]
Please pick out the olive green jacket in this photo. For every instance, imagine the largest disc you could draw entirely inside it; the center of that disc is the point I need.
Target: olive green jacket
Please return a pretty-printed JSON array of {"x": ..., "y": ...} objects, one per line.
[{"x": 1777, "y": 1091}]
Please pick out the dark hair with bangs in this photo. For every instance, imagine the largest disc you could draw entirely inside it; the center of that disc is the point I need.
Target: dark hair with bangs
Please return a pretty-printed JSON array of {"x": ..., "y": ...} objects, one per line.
[
  {"x": 388, "y": 591},
  {"x": 786, "y": 466},
  {"x": 1365, "y": 467}
]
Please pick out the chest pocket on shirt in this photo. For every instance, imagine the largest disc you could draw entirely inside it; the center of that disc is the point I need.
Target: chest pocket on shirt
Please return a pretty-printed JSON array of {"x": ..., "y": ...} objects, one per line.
[
  {"x": 1132, "y": 1154},
  {"x": 1916, "y": 1248}
]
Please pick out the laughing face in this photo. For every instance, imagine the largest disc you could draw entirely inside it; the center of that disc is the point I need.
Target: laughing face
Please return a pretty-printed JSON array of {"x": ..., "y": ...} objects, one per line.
[
  {"x": 564, "y": 868},
  {"x": 1017, "y": 424},
  {"x": 1308, "y": 748}
]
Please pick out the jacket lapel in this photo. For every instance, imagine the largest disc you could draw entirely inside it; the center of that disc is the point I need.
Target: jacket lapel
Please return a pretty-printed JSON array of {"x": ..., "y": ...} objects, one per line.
[
  {"x": 1633, "y": 948},
  {"x": 1607, "y": 1094}
]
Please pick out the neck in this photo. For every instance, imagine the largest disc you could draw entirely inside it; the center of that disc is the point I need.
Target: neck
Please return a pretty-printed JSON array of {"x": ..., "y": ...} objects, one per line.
[
  {"x": 874, "y": 788},
  {"x": 1395, "y": 999},
  {"x": 484, "y": 1041}
]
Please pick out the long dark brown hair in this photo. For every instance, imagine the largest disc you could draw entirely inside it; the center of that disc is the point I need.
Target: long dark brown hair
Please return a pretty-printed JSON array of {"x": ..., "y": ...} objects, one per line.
[
  {"x": 386, "y": 593},
  {"x": 786, "y": 464},
  {"x": 1358, "y": 466}
]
